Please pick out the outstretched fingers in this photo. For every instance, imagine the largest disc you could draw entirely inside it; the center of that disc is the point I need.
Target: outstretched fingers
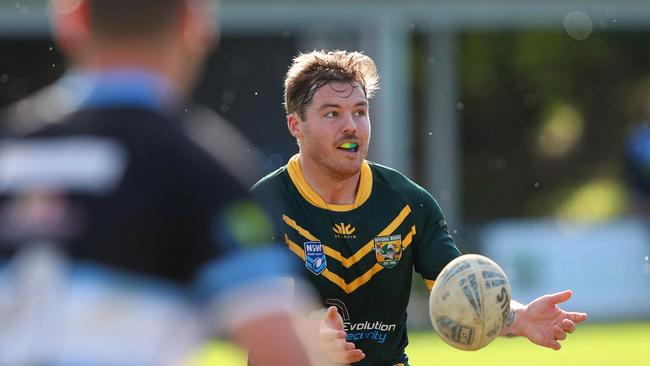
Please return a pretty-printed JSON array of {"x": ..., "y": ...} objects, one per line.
[
  {"x": 333, "y": 318},
  {"x": 568, "y": 326},
  {"x": 559, "y": 333},
  {"x": 337, "y": 346},
  {"x": 327, "y": 335},
  {"x": 554, "y": 344},
  {"x": 576, "y": 317},
  {"x": 549, "y": 340},
  {"x": 342, "y": 352},
  {"x": 333, "y": 341},
  {"x": 560, "y": 297},
  {"x": 350, "y": 356}
]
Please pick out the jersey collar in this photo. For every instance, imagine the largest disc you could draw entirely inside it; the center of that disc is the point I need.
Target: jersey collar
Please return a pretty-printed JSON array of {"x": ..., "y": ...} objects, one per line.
[
  {"x": 299, "y": 181},
  {"x": 126, "y": 87}
]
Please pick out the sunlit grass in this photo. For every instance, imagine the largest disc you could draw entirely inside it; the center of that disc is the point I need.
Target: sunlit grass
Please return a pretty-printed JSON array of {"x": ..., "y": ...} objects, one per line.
[
  {"x": 625, "y": 344},
  {"x": 593, "y": 345},
  {"x": 219, "y": 353}
]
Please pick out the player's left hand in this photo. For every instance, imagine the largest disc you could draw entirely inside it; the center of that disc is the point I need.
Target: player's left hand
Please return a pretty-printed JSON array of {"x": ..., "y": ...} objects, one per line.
[
  {"x": 332, "y": 339},
  {"x": 544, "y": 323}
]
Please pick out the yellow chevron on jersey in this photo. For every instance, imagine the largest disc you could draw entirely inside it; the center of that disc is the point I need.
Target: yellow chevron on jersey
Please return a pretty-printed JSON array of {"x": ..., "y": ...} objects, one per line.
[
  {"x": 336, "y": 279},
  {"x": 365, "y": 250},
  {"x": 372, "y": 248}
]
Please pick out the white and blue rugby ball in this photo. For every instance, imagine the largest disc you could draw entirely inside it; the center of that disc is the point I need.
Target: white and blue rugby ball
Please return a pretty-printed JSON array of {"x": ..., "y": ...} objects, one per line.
[{"x": 469, "y": 302}]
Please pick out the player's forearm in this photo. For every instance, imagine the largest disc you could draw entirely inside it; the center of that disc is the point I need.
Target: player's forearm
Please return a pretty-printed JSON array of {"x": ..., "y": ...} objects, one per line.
[{"x": 513, "y": 322}]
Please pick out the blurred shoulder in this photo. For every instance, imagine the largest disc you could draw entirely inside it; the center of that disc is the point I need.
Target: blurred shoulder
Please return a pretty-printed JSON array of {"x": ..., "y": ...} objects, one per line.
[{"x": 274, "y": 181}]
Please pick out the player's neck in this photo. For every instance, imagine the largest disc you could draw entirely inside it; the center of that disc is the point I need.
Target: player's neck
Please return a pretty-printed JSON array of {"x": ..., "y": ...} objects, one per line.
[
  {"x": 134, "y": 55},
  {"x": 333, "y": 189}
]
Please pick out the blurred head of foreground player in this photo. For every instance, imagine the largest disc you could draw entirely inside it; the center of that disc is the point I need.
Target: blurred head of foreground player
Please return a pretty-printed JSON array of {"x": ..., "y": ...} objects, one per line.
[
  {"x": 169, "y": 37},
  {"x": 121, "y": 237}
]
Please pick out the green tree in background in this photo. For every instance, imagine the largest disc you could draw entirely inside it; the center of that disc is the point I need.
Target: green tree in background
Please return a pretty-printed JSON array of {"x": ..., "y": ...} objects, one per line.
[{"x": 544, "y": 121}]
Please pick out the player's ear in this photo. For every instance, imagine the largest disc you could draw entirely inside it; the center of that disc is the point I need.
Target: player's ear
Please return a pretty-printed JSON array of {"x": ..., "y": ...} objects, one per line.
[
  {"x": 294, "y": 123},
  {"x": 71, "y": 25},
  {"x": 199, "y": 27}
]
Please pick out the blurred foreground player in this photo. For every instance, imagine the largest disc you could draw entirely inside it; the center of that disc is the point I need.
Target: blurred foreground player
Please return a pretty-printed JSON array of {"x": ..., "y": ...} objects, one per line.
[
  {"x": 637, "y": 168},
  {"x": 361, "y": 228},
  {"x": 115, "y": 246}
]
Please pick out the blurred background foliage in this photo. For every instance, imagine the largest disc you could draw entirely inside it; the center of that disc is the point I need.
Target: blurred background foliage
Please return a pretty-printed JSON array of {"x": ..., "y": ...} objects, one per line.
[
  {"x": 544, "y": 119},
  {"x": 543, "y": 115}
]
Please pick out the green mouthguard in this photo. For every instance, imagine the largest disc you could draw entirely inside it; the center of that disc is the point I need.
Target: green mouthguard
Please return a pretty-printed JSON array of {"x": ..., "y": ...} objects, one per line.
[{"x": 348, "y": 145}]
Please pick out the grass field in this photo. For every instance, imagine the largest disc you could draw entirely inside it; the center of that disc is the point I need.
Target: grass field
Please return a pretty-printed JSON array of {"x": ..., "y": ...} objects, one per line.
[{"x": 626, "y": 344}]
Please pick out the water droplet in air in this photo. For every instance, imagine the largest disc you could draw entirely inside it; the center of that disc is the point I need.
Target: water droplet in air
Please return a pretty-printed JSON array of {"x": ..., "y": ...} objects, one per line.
[{"x": 578, "y": 25}]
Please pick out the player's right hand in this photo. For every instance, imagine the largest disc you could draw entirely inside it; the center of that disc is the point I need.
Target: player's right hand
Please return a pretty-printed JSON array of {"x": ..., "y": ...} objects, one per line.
[{"x": 332, "y": 339}]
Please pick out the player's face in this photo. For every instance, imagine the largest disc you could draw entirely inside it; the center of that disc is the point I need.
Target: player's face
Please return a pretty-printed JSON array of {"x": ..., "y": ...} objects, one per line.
[{"x": 335, "y": 132}]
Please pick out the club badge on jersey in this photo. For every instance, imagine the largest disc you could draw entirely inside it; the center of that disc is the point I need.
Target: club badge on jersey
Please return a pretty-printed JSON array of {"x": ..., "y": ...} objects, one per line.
[
  {"x": 388, "y": 250},
  {"x": 315, "y": 257}
]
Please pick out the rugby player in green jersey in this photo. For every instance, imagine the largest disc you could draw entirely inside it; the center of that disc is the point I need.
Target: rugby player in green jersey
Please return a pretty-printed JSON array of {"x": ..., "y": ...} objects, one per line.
[{"x": 361, "y": 228}]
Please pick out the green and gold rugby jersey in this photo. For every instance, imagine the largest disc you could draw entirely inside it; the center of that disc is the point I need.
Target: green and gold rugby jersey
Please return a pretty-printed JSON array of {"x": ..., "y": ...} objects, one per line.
[{"x": 361, "y": 257}]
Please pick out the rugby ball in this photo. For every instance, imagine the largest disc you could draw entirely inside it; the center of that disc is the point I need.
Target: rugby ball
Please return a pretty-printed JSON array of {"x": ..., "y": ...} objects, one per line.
[{"x": 469, "y": 302}]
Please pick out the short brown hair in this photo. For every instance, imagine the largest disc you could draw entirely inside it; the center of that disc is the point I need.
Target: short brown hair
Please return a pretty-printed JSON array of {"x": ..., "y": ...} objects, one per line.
[
  {"x": 310, "y": 71},
  {"x": 125, "y": 18}
]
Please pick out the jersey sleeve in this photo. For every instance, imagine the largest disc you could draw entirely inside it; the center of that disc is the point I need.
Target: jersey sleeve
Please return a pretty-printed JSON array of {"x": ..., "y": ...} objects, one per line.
[
  {"x": 435, "y": 246},
  {"x": 236, "y": 266}
]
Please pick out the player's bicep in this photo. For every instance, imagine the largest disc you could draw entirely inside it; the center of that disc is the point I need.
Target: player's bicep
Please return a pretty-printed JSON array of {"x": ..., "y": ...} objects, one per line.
[
  {"x": 433, "y": 255},
  {"x": 436, "y": 246}
]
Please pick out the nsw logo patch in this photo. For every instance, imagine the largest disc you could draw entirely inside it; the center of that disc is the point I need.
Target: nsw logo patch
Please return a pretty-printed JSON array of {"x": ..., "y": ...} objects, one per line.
[
  {"x": 315, "y": 257},
  {"x": 388, "y": 250}
]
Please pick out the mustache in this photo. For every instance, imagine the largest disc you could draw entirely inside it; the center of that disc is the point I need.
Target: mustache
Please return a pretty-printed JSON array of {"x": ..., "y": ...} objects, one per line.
[{"x": 348, "y": 137}]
